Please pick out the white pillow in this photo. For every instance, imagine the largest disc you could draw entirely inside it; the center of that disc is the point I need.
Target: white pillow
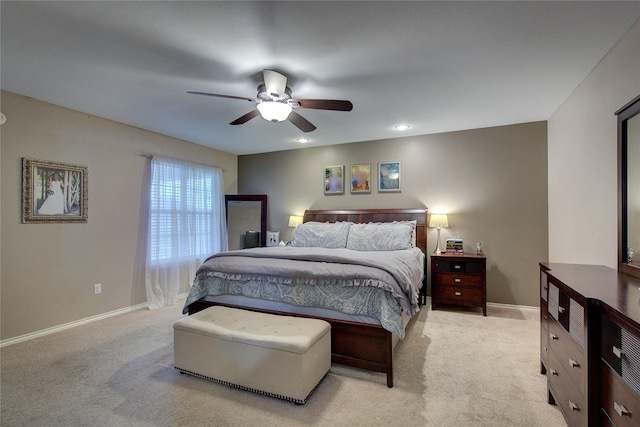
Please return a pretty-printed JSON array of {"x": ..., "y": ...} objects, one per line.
[
  {"x": 330, "y": 235},
  {"x": 380, "y": 236},
  {"x": 414, "y": 225}
]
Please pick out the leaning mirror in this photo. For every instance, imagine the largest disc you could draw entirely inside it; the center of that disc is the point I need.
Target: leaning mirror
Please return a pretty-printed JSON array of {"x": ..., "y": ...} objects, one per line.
[
  {"x": 246, "y": 221},
  {"x": 629, "y": 188}
]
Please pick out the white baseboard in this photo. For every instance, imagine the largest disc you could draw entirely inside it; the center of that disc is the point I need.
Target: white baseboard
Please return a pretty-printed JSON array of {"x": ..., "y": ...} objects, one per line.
[
  {"x": 54, "y": 329},
  {"x": 500, "y": 305},
  {"x": 513, "y": 306}
]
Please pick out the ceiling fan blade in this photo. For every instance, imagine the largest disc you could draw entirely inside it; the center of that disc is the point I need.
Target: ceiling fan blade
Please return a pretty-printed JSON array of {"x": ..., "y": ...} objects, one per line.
[
  {"x": 223, "y": 96},
  {"x": 301, "y": 123},
  {"x": 244, "y": 119},
  {"x": 324, "y": 104},
  {"x": 275, "y": 83}
]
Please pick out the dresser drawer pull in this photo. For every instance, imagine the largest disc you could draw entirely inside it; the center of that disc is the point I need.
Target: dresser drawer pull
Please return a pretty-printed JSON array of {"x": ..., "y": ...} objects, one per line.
[
  {"x": 553, "y": 371},
  {"x": 457, "y": 267},
  {"x": 457, "y": 280},
  {"x": 573, "y": 363},
  {"x": 620, "y": 409},
  {"x": 618, "y": 352},
  {"x": 553, "y": 336},
  {"x": 561, "y": 309},
  {"x": 573, "y": 406},
  {"x": 458, "y": 294}
]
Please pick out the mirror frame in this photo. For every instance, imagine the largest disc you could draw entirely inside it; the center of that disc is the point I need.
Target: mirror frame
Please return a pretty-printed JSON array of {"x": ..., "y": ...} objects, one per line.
[
  {"x": 631, "y": 109},
  {"x": 263, "y": 211}
]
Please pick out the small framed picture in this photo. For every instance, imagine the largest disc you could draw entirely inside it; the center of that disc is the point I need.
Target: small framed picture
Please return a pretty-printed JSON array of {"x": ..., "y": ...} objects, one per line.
[
  {"x": 361, "y": 178},
  {"x": 53, "y": 192},
  {"x": 388, "y": 177},
  {"x": 334, "y": 180}
]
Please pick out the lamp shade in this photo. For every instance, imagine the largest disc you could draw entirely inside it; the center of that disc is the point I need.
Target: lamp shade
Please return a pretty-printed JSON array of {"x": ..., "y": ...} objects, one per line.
[
  {"x": 295, "y": 221},
  {"x": 274, "y": 111},
  {"x": 439, "y": 221}
]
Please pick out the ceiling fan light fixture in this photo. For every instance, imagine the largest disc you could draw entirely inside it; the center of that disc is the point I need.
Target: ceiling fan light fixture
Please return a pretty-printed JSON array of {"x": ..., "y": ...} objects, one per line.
[{"x": 274, "y": 111}]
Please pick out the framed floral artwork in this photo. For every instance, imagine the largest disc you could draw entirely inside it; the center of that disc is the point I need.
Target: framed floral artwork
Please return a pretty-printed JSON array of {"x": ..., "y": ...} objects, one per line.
[
  {"x": 361, "y": 178},
  {"x": 334, "y": 180},
  {"x": 53, "y": 192},
  {"x": 389, "y": 177}
]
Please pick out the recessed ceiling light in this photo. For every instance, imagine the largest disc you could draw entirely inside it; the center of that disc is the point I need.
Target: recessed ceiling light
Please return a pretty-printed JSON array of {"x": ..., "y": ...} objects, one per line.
[
  {"x": 401, "y": 127},
  {"x": 302, "y": 140}
]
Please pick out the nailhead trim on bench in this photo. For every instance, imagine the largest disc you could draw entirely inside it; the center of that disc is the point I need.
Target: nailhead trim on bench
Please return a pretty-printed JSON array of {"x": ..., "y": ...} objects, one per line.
[{"x": 241, "y": 387}]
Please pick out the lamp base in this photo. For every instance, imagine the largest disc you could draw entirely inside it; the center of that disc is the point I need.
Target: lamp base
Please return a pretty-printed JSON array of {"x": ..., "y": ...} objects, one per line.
[{"x": 438, "y": 250}]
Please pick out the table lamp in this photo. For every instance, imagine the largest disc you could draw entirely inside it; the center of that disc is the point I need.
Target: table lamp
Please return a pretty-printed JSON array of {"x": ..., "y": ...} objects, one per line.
[{"x": 438, "y": 221}]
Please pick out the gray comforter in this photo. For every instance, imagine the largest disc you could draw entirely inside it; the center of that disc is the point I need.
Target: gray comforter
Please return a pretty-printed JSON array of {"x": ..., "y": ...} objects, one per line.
[{"x": 400, "y": 273}]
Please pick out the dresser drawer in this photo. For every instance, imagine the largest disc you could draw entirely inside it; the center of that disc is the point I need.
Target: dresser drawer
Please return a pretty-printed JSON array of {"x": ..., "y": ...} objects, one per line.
[
  {"x": 571, "y": 401},
  {"x": 544, "y": 312},
  {"x": 620, "y": 403},
  {"x": 621, "y": 350},
  {"x": 459, "y": 280},
  {"x": 544, "y": 344},
  {"x": 455, "y": 294},
  {"x": 568, "y": 354}
]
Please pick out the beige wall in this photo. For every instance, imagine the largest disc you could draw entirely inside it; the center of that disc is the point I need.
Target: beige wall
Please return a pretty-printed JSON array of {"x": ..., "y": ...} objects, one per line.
[
  {"x": 583, "y": 159},
  {"x": 48, "y": 270},
  {"x": 492, "y": 182}
]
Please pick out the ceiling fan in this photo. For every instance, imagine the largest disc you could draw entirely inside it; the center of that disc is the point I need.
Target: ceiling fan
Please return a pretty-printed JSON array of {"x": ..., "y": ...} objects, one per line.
[{"x": 276, "y": 104}]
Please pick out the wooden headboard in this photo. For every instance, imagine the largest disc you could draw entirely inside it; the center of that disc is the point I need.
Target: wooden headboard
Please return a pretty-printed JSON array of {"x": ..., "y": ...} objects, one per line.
[{"x": 376, "y": 215}]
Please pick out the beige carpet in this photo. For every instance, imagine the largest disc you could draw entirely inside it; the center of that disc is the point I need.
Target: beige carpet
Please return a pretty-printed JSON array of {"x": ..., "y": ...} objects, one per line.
[{"x": 455, "y": 368}]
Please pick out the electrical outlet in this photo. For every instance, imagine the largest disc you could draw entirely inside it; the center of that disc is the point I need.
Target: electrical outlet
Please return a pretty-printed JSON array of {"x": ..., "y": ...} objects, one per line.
[{"x": 97, "y": 288}]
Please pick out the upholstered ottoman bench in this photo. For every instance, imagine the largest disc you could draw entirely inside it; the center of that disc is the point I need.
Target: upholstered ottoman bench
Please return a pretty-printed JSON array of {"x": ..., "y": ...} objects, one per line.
[{"x": 280, "y": 356}]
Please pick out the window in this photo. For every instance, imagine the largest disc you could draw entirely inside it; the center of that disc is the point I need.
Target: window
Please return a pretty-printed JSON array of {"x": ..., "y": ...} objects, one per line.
[{"x": 186, "y": 212}]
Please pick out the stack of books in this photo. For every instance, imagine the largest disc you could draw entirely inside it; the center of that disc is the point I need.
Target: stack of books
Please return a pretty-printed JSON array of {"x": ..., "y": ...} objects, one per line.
[{"x": 454, "y": 246}]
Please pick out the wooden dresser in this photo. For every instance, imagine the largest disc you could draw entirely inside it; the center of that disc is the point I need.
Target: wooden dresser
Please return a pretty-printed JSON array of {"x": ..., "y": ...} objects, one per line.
[
  {"x": 459, "y": 279},
  {"x": 590, "y": 343}
]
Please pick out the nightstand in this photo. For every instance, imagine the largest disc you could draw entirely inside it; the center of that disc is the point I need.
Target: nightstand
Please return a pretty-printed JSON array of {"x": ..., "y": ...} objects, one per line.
[{"x": 459, "y": 279}]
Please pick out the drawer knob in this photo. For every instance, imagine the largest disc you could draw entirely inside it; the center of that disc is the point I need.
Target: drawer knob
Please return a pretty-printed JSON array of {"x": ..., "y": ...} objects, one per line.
[
  {"x": 574, "y": 406},
  {"x": 457, "y": 280},
  {"x": 561, "y": 309},
  {"x": 573, "y": 363},
  {"x": 458, "y": 294},
  {"x": 554, "y": 372},
  {"x": 618, "y": 352},
  {"x": 457, "y": 267},
  {"x": 553, "y": 336},
  {"x": 620, "y": 409}
]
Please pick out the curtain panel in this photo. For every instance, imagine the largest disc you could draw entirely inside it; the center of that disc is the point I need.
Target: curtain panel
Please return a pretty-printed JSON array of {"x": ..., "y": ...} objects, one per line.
[{"x": 186, "y": 224}]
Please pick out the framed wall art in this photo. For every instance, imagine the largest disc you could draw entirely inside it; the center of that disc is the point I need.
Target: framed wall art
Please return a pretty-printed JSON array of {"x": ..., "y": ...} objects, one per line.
[
  {"x": 53, "y": 192},
  {"x": 361, "y": 178},
  {"x": 334, "y": 180},
  {"x": 389, "y": 177}
]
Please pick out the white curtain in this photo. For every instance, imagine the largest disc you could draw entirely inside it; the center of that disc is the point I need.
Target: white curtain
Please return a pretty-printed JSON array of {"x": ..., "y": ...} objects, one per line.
[{"x": 187, "y": 223}]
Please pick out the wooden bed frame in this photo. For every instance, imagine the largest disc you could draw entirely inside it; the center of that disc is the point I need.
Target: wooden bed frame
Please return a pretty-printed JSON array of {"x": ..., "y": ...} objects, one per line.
[{"x": 356, "y": 344}]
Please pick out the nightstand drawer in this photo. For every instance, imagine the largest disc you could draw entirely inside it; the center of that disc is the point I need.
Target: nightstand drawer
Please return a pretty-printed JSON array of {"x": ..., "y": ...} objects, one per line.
[
  {"x": 458, "y": 267},
  {"x": 453, "y": 293},
  {"x": 459, "y": 280}
]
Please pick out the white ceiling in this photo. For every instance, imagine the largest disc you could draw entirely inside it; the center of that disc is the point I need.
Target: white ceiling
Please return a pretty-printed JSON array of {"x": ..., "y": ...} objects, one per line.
[{"x": 439, "y": 66}]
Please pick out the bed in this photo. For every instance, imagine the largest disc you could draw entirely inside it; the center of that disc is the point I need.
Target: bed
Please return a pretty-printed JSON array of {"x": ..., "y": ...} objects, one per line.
[{"x": 367, "y": 288}]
